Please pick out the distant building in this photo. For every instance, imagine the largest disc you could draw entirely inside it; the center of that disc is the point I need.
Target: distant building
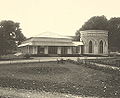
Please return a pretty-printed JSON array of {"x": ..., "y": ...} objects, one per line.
[
  {"x": 91, "y": 42},
  {"x": 95, "y": 41}
]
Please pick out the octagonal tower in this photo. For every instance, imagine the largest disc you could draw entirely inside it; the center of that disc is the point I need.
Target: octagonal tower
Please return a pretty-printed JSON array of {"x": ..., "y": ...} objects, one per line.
[{"x": 95, "y": 41}]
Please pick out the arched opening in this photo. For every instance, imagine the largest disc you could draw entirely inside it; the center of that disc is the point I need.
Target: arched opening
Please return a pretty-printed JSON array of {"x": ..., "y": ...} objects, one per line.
[
  {"x": 90, "y": 47},
  {"x": 101, "y": 47}
]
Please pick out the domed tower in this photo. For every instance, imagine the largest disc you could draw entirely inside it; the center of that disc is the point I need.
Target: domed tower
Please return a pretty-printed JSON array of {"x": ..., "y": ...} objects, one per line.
[{"x": 95, "y": 41}]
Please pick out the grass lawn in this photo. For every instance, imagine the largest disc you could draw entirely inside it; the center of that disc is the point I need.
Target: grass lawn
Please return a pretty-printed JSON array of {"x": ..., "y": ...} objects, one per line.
[{"x": 62, "y": 78}]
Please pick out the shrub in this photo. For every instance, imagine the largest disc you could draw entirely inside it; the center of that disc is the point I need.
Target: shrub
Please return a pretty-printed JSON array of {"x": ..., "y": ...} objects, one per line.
[{"x": 27, "y": 56}]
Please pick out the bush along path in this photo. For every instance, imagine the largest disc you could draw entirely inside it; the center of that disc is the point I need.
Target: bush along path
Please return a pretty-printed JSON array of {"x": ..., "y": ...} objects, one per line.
[
  {"x": 96, "y": 65},
  {"x": 112, "y": 85}
]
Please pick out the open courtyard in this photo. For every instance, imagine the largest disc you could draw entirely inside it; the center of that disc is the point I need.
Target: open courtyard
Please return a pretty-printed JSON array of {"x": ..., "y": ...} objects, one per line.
[{"x": 65, "y": 78}]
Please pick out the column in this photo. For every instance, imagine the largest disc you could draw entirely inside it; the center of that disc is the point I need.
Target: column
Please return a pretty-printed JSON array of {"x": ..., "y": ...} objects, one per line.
[
  {"x": 46, "y": 50},
  {"x": 69, "y": 50},
  {"x": 59, "y": 50},
  {"x": 34, "y": 49},
  {"x": 86, "y": 49},
  {"x": 96, "y": 48},
  {"x": 105, "y": 49},
  {"x": 80, "y": 49}
]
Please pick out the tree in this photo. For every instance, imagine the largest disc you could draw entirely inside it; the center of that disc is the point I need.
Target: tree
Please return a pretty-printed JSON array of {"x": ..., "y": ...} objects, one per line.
[
  {"x": 96, "y": 23},
  {"x": 114, "y": 33},
  {"x": 77, "y": 36},
  {"x": 19, "y": 35},
  {"x": 101, "y": 23},
  {"x": 10, "y": 33}
]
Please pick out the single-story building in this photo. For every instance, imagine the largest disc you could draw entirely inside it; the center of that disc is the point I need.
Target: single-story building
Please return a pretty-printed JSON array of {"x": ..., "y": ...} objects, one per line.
[
  {"x": 91, "y": 42},
  {"x": 50, "y": 43}
]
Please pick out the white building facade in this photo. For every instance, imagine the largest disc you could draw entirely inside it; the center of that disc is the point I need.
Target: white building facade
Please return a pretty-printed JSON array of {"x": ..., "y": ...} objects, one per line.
[
  {"x": 51, "y": 44},
  {"x": 95, "y": 41},
  {"x": 91, "y": 42}
]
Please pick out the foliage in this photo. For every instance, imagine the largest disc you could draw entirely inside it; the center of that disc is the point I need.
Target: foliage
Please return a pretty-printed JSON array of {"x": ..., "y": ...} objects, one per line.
[
  {"x": 27, "y": 56},
  {"x": 101, "y": 23},
  {"x": 114, "y": 33},
  {"x": 96, "y": 23},
  {"x": 10, "y": 36},
  {"x": 77, "y": 36}
]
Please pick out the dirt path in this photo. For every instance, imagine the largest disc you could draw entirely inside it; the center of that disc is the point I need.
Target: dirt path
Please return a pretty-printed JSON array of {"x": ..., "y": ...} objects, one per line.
[{"x": 45, "y": 59}]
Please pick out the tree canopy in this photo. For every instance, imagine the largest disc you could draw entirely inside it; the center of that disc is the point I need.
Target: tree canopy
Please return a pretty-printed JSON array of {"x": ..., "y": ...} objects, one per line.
[
  {"x": 114, "y": 33},
  {"x": 102, "y": 23},
  {"x": 77, "y": 36},
  {"x": 96, "y": 23},
  {"x": 10, "y": 36}
]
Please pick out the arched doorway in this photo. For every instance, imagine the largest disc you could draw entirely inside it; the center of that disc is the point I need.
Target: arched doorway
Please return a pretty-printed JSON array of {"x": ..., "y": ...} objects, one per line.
[
  {"x": 101, "y": 47},
  {"x": 90, "y": 47}
]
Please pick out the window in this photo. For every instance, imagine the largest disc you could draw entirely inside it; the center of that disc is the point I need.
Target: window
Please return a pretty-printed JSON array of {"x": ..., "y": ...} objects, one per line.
[
  {"x": 40, "y": 50},
  {"x": 101, "y": 47},
  {"x": 90, "y": 47},
  {"x": 64, "y": 50},
  {"x": 52, "y": 50}
]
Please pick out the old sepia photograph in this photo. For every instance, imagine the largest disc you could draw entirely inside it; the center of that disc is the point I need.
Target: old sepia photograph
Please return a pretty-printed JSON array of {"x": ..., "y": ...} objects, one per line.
[{"x": 59, "y": 49}]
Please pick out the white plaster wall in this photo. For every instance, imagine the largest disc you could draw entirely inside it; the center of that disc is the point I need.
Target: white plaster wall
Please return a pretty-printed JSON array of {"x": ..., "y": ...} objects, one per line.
[
  {"x": 46, "y": 49},
  {"x": 34, "y": 50},
  {"x": 95, "y": 36},
  {"x": 69, "y": 50},
  {"x": 59, "y": 50}
]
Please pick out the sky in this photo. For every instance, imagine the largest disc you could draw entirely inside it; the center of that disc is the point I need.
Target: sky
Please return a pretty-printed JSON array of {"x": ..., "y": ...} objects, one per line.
[{"x": 64, "y": 17}]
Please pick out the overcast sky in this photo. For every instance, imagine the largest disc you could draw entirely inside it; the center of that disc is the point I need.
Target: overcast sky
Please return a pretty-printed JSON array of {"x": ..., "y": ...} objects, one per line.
[{"x": 58, "y": 16}]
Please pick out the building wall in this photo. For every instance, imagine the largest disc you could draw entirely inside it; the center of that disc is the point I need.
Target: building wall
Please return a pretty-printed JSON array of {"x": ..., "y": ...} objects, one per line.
[
  {"x": 95, "y": 36},
  {"x": 23, "y": 49},
  {"x": 28, "y": 49},
  {"x": 65, "y": 46},
  {"x": 47, "y": 50}
]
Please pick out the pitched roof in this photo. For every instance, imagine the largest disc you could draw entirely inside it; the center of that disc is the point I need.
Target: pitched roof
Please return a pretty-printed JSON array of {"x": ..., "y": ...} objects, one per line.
[
  {"x": 52, "y": 35},
  {"x": 75, "y": 43}
]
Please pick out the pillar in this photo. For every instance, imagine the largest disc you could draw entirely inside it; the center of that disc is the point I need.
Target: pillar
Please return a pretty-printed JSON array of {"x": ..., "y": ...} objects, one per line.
[
  {"x": 105, "y": 49},
  {"x": 34, "y": 49},
  {"x": 69, "y": 50},
  {"x": 59, "y": 50},
  {"x": 46, "y": 50},
  {"x": 96, "y": 49},
  {"x": 80, "y": 49},
  {"x": 86, "y": 49}
]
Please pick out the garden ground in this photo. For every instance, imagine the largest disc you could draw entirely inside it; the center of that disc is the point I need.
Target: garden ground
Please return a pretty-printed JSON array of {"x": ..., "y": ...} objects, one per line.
[{"x": 65, "y": 78}]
